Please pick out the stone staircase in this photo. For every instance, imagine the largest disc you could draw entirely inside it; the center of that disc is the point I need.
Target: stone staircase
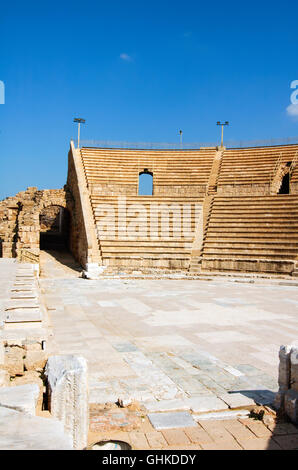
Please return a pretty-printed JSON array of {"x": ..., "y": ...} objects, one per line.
[
  {"x": 214, "y": 174},
  {"x": 252, "y": 233},
  {"x": 196, "y": 257},
  {"x": 243, "y": 228},
  {"x": 147, "y": 233},
  {"x": 175, "y": 172},
  {"x": 249, "y": 170},
  {"x": 150, "y": 233}
]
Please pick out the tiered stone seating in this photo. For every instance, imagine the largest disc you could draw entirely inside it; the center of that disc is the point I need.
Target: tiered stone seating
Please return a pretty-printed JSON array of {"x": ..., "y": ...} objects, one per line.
[
  {"x": 246, "y": 229},
  {"x": 179, "y": 178},
  {"x": 174, "y": 172},
  {"x": 251, "y": 170},
  {"x": 145, "y": 247},
  {"x": 252, "y": 233}
]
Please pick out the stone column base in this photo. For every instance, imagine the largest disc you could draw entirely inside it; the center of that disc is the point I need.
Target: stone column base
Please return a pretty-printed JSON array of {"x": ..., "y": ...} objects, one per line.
[{"x": 93, "y": 271}]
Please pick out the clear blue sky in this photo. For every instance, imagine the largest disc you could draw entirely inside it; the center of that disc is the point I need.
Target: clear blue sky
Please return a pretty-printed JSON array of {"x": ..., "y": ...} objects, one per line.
[{"x": 139, "y": 71}]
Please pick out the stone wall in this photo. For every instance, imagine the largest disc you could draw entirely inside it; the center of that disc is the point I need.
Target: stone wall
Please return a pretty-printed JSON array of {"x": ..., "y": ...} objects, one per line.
[
  {"x": 78, "y": 243},
  {"x": 293, "y": 187},
  {"x": 50, "y": 219},
  {"x": 20, "y": 221},
  {"x": 84, "y": 244},
  {"x": 22, "y": 362},
  {"x": 244, "y": 189}
]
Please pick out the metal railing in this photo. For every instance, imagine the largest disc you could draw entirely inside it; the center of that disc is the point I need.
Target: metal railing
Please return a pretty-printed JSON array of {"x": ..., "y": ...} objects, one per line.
[{"x": 187, "y": 146}]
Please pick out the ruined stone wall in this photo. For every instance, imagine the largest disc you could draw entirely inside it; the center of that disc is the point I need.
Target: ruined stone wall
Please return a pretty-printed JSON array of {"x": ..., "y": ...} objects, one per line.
[
  {"x": 20, "y": 221},
  {"x": 50, "y": 219}
]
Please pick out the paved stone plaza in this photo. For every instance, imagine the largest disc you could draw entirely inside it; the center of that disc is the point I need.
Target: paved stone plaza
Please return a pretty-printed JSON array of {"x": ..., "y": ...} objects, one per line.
[
  {"x": 185, "y": 359},
  {"x": 169, "y": 343}
]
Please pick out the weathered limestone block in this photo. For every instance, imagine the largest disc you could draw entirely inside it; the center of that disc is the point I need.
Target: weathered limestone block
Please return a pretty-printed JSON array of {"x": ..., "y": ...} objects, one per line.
[
  {"x": 35, "y": 360},
  {"x": 284, "y": 370},
  {"x": 13, "y": 361},
  {"x": 2, "y": 352},
  {"x": 294, "y": 368},
  {"x": 20, "y": 398},
  {"x": 68, "y": 395},
  {"x": 21, "y": 431},
  {"x": 93, "y": 271},
  {"x": 30, "y": 377},
  {"x": 284, "y": 375},
  {"x": 32, "y": 345},
  {"x": 4, "y": 378},
  {"x": 291, "y": 405}
]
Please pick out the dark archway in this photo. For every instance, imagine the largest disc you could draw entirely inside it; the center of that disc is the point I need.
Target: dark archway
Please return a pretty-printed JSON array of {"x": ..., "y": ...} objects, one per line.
[
  {"x": 54, "y": 228},
  {"x": 145, "y": 183},
  {"x": 285, "y": 185}
]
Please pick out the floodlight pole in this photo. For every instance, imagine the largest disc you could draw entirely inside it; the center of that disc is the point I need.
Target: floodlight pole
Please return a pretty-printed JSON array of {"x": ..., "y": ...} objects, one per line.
[
  {"x": 79, "y": 121},
  {"x": 222, "y": 124},
  {"x": 180, "y": 132}
]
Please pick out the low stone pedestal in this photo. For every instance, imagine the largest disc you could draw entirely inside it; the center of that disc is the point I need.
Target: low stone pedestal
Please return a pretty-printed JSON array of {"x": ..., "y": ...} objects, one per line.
[
  {"x": 68, "y": 395},
  {"x": 287, "y": 397},
  {"x": 93, "y": 271}
]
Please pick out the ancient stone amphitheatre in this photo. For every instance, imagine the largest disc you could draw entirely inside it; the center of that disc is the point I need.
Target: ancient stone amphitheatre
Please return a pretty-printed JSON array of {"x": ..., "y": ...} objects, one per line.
[{"x": 154, "y": 320}]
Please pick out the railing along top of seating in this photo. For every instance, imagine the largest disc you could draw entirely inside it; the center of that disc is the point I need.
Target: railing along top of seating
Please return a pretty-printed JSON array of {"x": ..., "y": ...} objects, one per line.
[{"x": 229, "y": 144}]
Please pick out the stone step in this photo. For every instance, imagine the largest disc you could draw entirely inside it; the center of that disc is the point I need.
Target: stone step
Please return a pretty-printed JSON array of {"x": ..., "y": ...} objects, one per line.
[
  {"x": 159, "y": 255},
  {"x": 23, "y": 315},
  {"x": 251, "y": 244},
  {"x": 146, "y": 244},
  {"x": 20, "y": 431},
  {"x": 21, "y": 398}
]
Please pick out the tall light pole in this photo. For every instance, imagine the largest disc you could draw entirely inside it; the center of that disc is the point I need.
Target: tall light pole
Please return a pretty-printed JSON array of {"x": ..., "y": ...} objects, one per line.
[
  {"x": 180, "y": 132},
  {"x": 222, "y": 124},
  {"x": 79, "y": 121}
]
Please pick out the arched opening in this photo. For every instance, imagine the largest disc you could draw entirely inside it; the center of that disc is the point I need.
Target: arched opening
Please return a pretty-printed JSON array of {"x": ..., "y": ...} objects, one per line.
[
  {"x": 285, "y": 184},
  {"x": 145, "y": 183},
  {"x": 1, "y": 252},
  {"x": 54, "y": 228}
]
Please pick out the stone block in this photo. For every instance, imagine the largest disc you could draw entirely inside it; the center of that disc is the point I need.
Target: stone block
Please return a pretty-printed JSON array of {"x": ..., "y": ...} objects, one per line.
[
  {"x": 68, "y": 395},
  {"x": 93, "y": 271},
  {"x": 291, "y": 405},
  {"x": 4, "y": 378},
  {"x": 13, "y": 361},
  {"x": 180, "y": 419},
  {"x": 167, "y": 405},
  {"x": 31, "y": 345},
  {"x": 222, "y": 415},
  {"x": 237, "y": 400},
  {"x": 206, "y": 404},
  {"x": 20, "y": 398},
  {"x": 284, "y": 369},
  {"x": 279, "y": 400},
  {"x": 35, "y": 360},
  {"x": 22, "y": 315},
  {"x": 31, "y": 377},
  {"x": 294, "y": 368},
  {"x": 20, "y": 431},
  {"x": 2, "y": 353}
]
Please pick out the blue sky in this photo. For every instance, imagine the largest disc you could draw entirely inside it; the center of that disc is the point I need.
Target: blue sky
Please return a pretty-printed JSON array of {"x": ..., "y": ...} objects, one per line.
[{"x": 139, "y": 71}]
